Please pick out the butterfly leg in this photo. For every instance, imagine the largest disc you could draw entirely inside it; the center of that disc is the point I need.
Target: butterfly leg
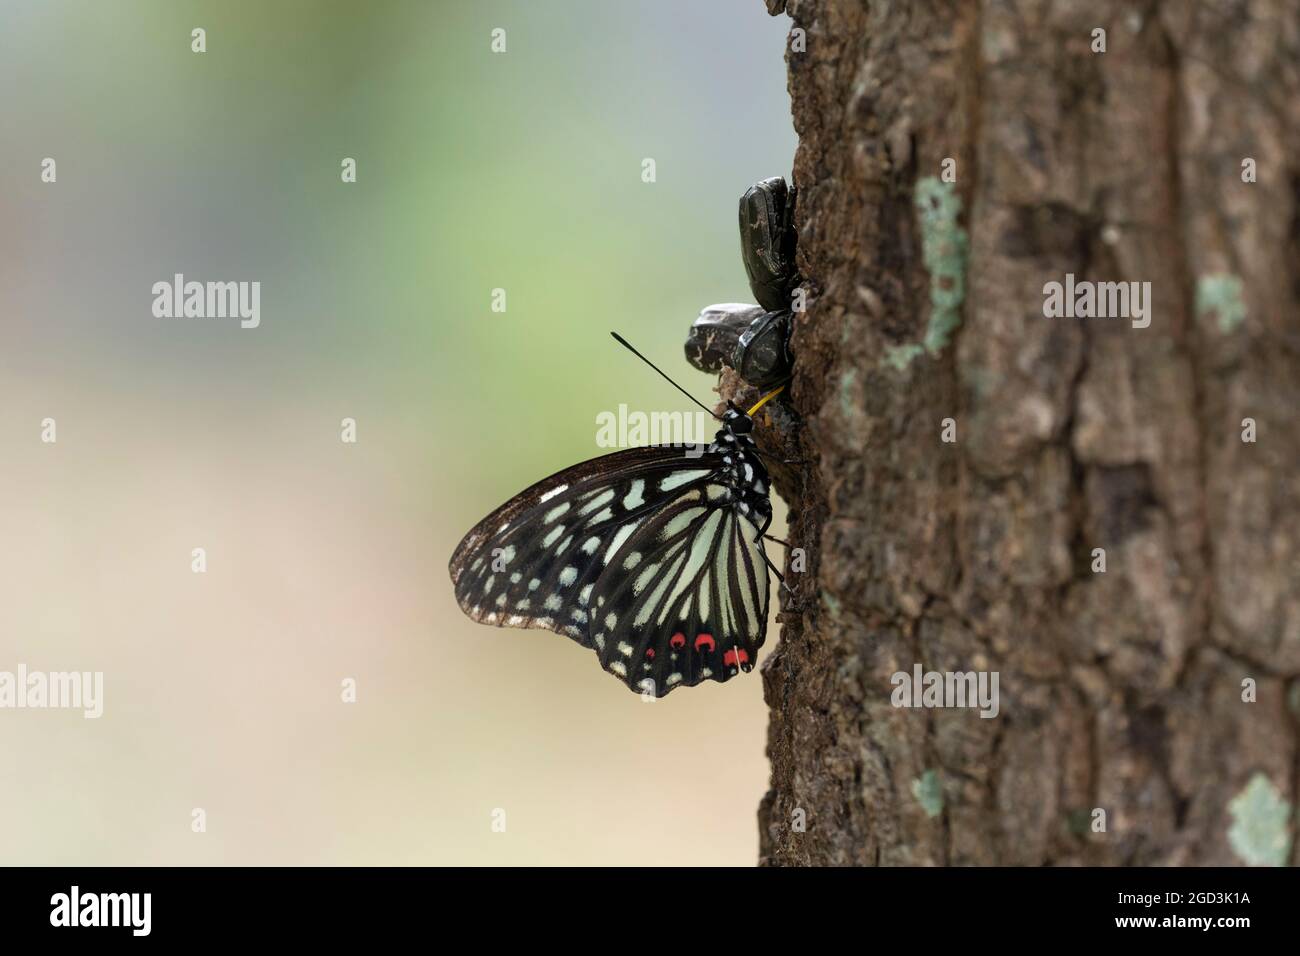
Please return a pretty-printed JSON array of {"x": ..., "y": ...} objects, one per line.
[
  {"x": 789, "y": 591},
  {"x": 779, "y": 576},
  {"x": 792, "y": 604},
  {"x": 762, "y": 533}
]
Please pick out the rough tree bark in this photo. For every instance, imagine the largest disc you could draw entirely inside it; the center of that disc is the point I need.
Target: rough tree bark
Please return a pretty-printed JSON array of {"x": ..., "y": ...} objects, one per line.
[{"x": 1120, "y": 690}]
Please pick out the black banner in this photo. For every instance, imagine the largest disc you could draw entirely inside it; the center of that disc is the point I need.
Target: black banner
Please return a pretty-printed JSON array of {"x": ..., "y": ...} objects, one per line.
[{"x": 330, "y": 905}]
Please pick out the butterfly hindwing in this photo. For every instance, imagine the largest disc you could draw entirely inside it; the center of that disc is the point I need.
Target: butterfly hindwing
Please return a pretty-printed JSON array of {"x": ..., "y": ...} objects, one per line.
[{"x": 685, "y": 598}]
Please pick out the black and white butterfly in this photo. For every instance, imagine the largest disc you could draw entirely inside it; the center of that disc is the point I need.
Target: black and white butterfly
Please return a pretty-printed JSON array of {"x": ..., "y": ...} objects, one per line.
[{"x": 652, "y": 556}]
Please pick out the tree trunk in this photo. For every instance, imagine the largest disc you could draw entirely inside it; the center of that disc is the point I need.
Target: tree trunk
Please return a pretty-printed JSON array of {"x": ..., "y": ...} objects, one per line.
[{"x": 1123, "y": 690}]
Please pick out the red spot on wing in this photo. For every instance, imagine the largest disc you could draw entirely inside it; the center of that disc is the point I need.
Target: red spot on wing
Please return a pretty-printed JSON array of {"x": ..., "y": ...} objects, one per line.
[
  {"x": 650, "y": 653},
  {"x": 735, "y": 656},
  {"x": 678, "y": 640},
  {"x": 704, "y": 639}
]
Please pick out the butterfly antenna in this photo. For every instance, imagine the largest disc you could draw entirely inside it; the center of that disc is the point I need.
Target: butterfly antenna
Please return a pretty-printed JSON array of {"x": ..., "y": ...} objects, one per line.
[{"x": 628, "y": 345}]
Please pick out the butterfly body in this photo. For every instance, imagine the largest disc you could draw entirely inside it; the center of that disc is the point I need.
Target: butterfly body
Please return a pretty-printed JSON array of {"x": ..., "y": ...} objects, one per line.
[
  {"x": 747, "y": 478},
  {"x": 653, "y": 557}
]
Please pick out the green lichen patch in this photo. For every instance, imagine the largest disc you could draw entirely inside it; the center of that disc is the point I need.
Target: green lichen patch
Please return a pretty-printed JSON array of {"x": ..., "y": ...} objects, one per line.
[
  {"x": 1260, "y": 833},
  {"x": 900, "y": 356},
  {"x": 1220, "y": 294},
  {"x": 944, "y": 246},
  {"x": 847, "y": 382},
  {"x": 928, "y": 791},
  {"x": 832, "y": 604}
]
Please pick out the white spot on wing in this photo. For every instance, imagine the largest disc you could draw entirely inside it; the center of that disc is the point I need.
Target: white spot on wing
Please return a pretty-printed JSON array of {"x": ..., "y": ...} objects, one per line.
[
  {"x": 603, "y": 498},
  {"x": 699, "y": 553},
  {"x": 681, "y": 478},
  {"x": 644, "y": 578},
  {"x": 652, "y": 602},
  {"x": 680, "y": 521},
  {"x": 568, "y": 576},
  {"x": 620, "y": 536},
  {"x": 636, "y": 497},
  {"x": 553, "y": 492}
]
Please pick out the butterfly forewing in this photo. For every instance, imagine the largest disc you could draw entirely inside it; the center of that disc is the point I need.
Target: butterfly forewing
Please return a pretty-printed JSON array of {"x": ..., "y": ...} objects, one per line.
[{"x": 534, "y": 561}]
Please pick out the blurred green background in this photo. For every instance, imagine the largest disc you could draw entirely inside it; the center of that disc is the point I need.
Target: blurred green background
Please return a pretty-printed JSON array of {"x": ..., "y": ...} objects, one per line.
[{"x": 328, "y": 560}]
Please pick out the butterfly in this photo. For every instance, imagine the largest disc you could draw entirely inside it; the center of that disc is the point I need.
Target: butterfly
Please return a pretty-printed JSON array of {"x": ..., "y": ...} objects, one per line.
[{"x": 651, "y": 556}]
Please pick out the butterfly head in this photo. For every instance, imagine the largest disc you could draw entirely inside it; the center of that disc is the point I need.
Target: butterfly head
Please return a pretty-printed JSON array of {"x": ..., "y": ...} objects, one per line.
[{"x": 742, "y": 423}]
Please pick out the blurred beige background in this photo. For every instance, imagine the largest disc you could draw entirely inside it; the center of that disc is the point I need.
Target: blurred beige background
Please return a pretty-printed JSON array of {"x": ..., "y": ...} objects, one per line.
[{"x": 328, "y": 560}]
